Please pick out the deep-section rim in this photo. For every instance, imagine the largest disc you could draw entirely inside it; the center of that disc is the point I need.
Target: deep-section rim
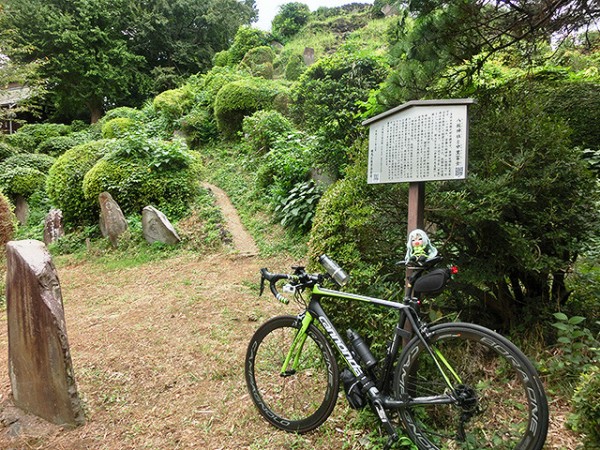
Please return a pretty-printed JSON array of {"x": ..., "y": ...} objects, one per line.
[
  {"x": 330, "y": 397},
  {"x": 537, "y": 403}
]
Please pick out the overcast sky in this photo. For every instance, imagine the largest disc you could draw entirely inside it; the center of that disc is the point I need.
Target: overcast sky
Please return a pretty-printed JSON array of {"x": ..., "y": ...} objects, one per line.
[{"x": 267, "y": 9}]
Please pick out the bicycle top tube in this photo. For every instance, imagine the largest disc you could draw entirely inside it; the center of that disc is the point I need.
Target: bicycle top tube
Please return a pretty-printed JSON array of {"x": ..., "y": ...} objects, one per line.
[{"x": 321, "y": 292}]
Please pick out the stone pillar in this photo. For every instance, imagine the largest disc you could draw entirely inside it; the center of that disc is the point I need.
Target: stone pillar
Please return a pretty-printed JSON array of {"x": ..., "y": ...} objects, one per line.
[
  {"x": 40, "y": 367},
  {"x": 112, "y": 220},
  {"x": 53, "y": 226}
]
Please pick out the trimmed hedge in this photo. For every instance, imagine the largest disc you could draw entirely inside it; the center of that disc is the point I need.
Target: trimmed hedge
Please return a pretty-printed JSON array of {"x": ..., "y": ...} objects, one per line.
[
  {"x": 117, "y": 127},
  {"x": 29, "y": 136},
  {"x": 65, "y": 182},
  {"x": 36, "y": 161},
  {"x": 22, "y": 181},
  {"x": 56, "y": 146},
  {"x": 243, "y": 98},
  {"x": 139, "y": 172}
]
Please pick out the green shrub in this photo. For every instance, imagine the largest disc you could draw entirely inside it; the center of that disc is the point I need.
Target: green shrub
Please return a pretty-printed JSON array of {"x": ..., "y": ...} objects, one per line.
[
  {"x": 122, "y": 112},
  {"x": 29, "y": 136},
  {"x": 341, "y": 81},
  {"x": 6, "y": 150},
  {"x": 222, "y": 59},
  {"x": 56, "y": 146},
  {"x": 586, "y": 407},
  {"x": 65, "y": 182},
  {"x": 174, "y": 103},
  {"x": 295, "y": 67},
  {"x": 36, "y": 161},
  {"x": 139, "y": 172},
  {"x": 199, "y": 126},
  {"x": 245, "y": 39},
  {"x": 298, "y": 208},
  {"x": 577, "y": 350},
  {"x": 287, "y": 164},
  {"x": 23, "y": 181},
  {"x": 263, "y": 128},
  {"x": 243, "y": 98},
  {"x": 7, "y": 220},
  {"x": 258, "y": 62},
  {"x": 22, "y": 142},
  {"x": 118, "y": 127},
  {"x": 214, "y": 80}
]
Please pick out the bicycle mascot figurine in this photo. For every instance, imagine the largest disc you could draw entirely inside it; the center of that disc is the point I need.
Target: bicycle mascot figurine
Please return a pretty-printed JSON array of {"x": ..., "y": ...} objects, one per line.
[{"x": 452, "y": 386}]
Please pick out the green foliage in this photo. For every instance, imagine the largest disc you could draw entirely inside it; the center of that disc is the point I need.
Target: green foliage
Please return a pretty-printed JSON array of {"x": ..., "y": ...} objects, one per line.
[
  {"x": 118, "y": 127},
  {"x": 138, "y": 172},
  {"x": 65, "y": 183},
  {"x": 56, "y": 146},
  {"x": 586, "y": 406},
  {"x": 243, "y": 98},
  {"x": 199, "y": 126},
  {"x": 298, "y": 208},
  {"x": 290, "y": 20},
  {"x": 30, "y": 136},
  {"x": 87, "y": 56},
  {"x": 340, "y": 81},
  {"x": 258, "y": 62},
  {"x": 246, "y": 39},
  {"x": 523, "y": 172},
  {"x": 22, "y": 142},
  {"x": 294, "y": 68},
  {"x": 6, "y": 150},
  {"x": 263, "y": 128},
  {"x": 577, "y": 350},
  {"x": 36, "y": 161},
  {"x": 173, "y": 103},
  {"x": 122, "y": 112},
  {"x": 7, "y": 220},
  {"x": 22, "y": 180},
  {"x": 287, "y": 164}
]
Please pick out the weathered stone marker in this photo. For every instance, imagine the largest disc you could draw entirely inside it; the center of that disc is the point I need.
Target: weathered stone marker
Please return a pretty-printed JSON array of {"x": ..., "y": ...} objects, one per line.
[
  {"x": 112, "y": 220},
  {"x": 40, "y": 367},
  {"x": 157, "y": 228},
  {"x": 53, "y": 226}
]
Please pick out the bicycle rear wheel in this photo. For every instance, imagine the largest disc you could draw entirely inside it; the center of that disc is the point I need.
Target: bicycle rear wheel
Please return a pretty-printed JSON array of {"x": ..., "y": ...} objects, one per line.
[
  {"x": 299, "y": 401},
  {"x": 499, "y": 401}
]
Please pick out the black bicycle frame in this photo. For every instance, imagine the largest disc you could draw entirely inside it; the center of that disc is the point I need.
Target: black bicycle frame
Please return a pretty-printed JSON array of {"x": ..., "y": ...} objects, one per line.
[{"x": 314, "y": 311}]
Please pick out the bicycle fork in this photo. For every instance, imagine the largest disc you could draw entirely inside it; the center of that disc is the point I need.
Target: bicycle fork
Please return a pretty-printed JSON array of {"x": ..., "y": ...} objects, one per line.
[{"x": 368, "y": 387}]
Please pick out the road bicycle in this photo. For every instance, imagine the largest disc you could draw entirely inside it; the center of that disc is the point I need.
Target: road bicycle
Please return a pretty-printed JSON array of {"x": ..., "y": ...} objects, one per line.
[{"x": 452, "y": 385}]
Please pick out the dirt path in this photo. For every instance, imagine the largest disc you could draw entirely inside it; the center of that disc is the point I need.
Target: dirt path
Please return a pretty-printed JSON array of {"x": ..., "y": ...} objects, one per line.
[{"x": 242, "y": 240}]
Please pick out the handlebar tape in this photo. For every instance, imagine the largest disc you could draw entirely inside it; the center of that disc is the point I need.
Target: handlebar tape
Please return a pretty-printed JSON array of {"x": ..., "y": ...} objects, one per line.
[{"x": 273, "y": 278}]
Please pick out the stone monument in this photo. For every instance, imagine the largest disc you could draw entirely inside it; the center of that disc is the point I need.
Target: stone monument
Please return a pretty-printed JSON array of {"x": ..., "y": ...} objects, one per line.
[
  {"x": 40, "y": 368},
  {"x": 157, "y": 228},
  {"x": 112, "y": 220},
  {"x": 53, "y": 226}
]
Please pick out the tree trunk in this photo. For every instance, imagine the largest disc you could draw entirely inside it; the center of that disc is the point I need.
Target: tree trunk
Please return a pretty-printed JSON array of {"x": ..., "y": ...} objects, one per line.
[{"x": 95, "y": 107}]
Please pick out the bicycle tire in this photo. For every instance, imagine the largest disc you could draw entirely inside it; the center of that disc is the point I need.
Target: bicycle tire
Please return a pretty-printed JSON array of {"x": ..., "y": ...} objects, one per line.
[
  {"x": 503, "y": 402},
  {"x": 296, "y": 403}
]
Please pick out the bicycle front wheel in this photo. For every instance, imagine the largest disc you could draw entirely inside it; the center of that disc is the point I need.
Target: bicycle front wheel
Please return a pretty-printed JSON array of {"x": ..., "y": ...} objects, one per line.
[
  {"x": 301, "y": 399},
  {"x": 497, "y": 400}
]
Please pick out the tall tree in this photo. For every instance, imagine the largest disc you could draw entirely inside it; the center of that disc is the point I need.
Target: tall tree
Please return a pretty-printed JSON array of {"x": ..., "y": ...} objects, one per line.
[
  {"x": 99, "y": 53},
  {"x": 436, "y": 34}
]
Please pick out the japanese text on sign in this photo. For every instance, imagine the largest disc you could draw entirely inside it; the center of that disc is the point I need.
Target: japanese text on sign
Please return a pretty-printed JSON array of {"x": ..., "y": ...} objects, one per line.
[{"x": 420, "y": 143}]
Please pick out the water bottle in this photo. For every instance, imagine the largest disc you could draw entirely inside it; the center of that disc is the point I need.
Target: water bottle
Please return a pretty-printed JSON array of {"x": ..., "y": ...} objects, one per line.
[
  {"x": 336, "y": 272},
  {"x": 361, "y": 348}
]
